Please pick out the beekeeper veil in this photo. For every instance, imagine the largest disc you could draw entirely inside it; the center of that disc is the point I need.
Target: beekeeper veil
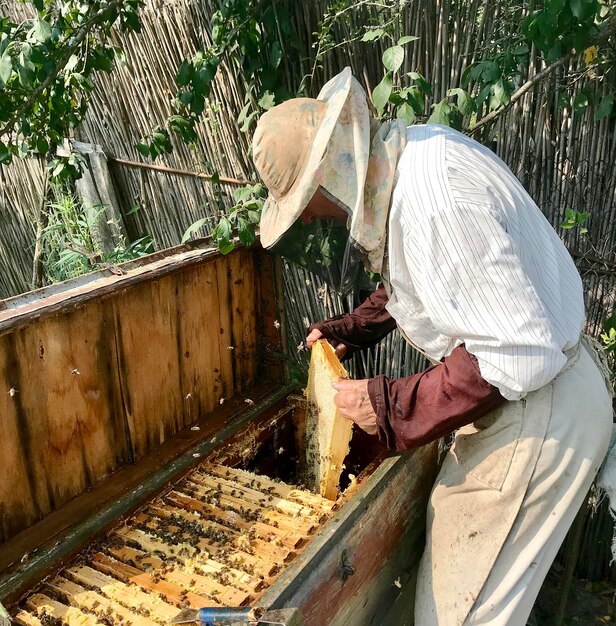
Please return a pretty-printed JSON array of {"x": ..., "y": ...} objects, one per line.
[{"x": 328, "y": 143}]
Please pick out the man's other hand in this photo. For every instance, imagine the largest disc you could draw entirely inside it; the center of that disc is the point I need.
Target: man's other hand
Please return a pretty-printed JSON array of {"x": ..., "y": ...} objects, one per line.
[
  {"x": 315, "y": 334},
  {"x": 354, "y": 403}
]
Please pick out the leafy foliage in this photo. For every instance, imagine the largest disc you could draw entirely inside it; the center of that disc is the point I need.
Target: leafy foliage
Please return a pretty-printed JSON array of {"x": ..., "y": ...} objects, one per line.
[
  {"x": 557, "y": 28},
  {"x": 46, "y": 69},
  {"x": 68, "y": 247},
  {"x": 240, "y": 221},
  {"x": 575, "y": 219},
  {"x": 259, "y": 34},
  {"x": 47, "y": 66}
]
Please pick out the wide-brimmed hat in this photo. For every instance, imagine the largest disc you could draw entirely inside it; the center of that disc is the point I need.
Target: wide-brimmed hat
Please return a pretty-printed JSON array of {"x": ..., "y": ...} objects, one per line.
[{"x": 288, "y": 147}]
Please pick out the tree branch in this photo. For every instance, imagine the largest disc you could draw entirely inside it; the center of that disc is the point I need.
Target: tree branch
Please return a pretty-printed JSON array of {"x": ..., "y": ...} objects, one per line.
[
  {"x": 82, "y": 33},
  {"x": 537, "y": 78}
]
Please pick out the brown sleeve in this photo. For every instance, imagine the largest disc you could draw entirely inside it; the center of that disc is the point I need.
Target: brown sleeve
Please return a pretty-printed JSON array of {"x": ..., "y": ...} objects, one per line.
[
  {"x": 417, "y": 409},
  {"x": 362, "y": 328}
]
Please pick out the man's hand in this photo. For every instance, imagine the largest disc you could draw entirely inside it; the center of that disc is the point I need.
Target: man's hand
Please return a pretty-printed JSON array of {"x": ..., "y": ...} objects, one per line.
[
  {"x": 354, "y": 403},
  {"x": 315, "y": 334}
]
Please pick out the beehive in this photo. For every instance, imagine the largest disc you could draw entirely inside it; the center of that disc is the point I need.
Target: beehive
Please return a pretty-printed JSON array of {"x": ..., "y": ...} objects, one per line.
[
  {"x": 127, "y": 400},
  {"x": 219, "y": 537}
]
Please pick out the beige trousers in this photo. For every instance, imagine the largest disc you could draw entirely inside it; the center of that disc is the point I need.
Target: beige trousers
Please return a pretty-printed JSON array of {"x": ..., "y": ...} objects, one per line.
[{"x": 507, "y": 493}]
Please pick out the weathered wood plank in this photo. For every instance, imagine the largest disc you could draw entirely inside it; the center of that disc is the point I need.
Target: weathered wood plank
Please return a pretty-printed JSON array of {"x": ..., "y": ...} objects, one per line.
[
  {"x": 146, "y": 328},
  {"x": 20, "y": 492},
  {"x": 377, "y": 537},
  {"x": 244, "y": 326},
  {"x": 64, "y": 412},
  {"x": 86, "y": 391},
  {"x": 270, "y": 318},
  {"x": 29, "y": 308},
  {"x": 225, "y": 330},
  {"x": 199, "y": 350}
]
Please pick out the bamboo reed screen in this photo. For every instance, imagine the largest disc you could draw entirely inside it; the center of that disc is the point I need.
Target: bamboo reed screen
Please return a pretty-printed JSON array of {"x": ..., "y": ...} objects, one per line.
[{"x": 564, "y": 158}]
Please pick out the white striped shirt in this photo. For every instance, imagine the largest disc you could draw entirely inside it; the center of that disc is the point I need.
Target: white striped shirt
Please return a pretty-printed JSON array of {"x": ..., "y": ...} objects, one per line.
[{"x": 471, "y": 259}]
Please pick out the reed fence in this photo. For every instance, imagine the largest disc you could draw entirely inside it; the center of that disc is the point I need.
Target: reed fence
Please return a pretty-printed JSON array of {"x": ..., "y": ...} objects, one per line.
[{"x": 564, "y": 158}]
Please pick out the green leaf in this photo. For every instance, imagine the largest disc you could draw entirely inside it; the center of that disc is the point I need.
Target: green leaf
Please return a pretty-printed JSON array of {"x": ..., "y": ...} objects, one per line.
[
  {"x": 254, "y": 216},
  {"x": 275, "y": 55},
  {"x": 393, "y": 58},
  {"x": 223, "y": 230},
  {"x": 197, "y": 103},
  {"x": 102, "y": 61},
  {"x": 183, "y": 126},
  {"x": 5, "y": 153},
  {"x": 184, "y": 73},
  {"x": 57, "y": 170},
  {"x": 267, "y": 100},
  {"x": 574, "y": 219},
  {"x": 381, "y": 93},
  {"x": 143, "y": 148},
  {"x": 440, "y": 113},
  {"x": 71, "y": 64},
  {"x": 407, "y": 39},
  {"x": 423, "y": 84},
  {"x": 225, "y": 246},
  {"x": 580, "y": 102},
  {"x": 605, "y": 108},
  {"x": 490, "y": 72},
  {"x": 465, "y": 103},
  {"x": 42, "y": 30},
  {"x": 373, "y": 35},
  {"x": 186, "y": 97},
  {"x": 405, "y": 112},
  {"x": 555, "y": 52},
  {"x": 193, "y": 228},
  {"x": 6, "y": 67},
  {"x": 466, "y": 75},
  {"x": 247, "y": 122},
  {"x": 413, "y": 97},
  {"x": 246, "y": 233},
  {"x": 241, "y": 118},
  {"x": 501, "y": 94},
  {"x": 242, "y": 194},
  {"x": 582, "y": 8}
]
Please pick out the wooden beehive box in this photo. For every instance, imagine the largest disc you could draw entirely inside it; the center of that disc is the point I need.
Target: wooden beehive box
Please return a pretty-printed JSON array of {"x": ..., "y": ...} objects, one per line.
[{"x": 135, "y": 411}]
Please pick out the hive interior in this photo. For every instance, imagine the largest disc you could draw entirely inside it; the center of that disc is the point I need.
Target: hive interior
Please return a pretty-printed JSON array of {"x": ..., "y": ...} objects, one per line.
[{"x": 219, "y": 536}]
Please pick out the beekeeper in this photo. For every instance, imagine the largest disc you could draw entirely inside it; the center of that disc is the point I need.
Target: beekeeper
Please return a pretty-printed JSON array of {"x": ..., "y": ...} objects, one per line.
[{"x": 474, "y": 277}]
